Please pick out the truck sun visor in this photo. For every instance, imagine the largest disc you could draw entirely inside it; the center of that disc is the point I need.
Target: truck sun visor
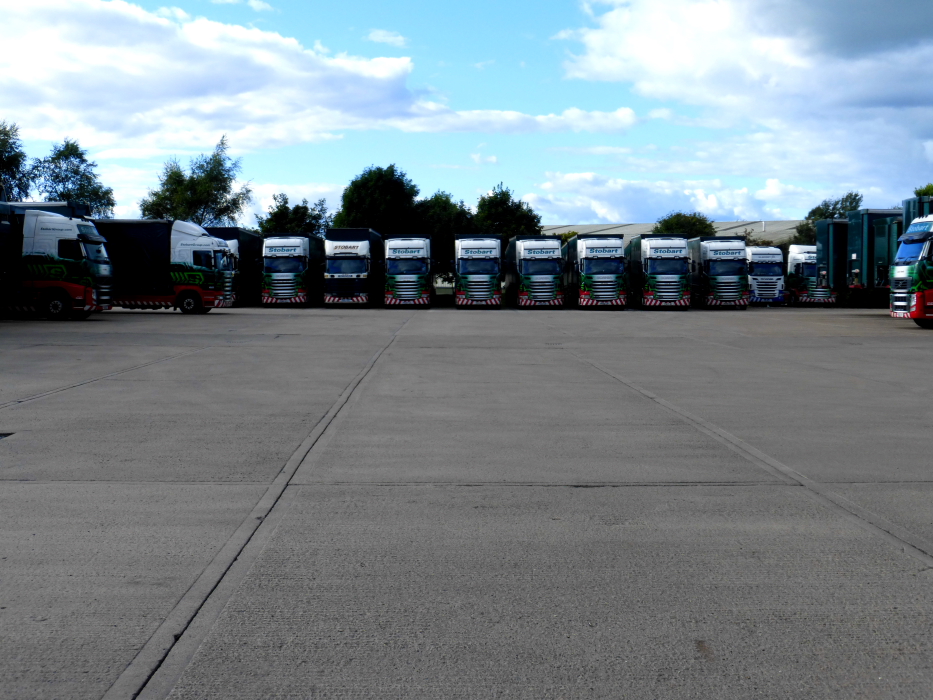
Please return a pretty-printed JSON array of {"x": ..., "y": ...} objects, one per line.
[{"x": 918, "y": 232}]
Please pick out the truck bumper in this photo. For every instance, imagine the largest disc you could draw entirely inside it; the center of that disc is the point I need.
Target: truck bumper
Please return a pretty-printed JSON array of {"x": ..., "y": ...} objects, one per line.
[
  {"x": 461, "y": 299},
  {"x": 299, "y": 298},
  {"x": 587, "y": 300},
  {"x": 651, "y": 301},
  {"x": 913, "y": 305},
  {"x": 360, "y": 298},
  {"x": 527, "y": 301},
  {"x": 423, "y": 300}
]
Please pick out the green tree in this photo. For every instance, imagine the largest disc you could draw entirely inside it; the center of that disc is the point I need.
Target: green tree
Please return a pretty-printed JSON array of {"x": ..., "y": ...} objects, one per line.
[
  {"x": 925, "y": 191},
  {"x": 835, "y": 208},
  {"x": 687, "y": 225},
  {"x": 442, "y": 218},
  {"x": 15, "y": 173},
  {"x": 204, "y": 196},
  {"x": 67, "y": 175},
  {"x": 382, "y": 199},
  {"x": 300, "y": 219},
  {"x": 500, "y": 213}
]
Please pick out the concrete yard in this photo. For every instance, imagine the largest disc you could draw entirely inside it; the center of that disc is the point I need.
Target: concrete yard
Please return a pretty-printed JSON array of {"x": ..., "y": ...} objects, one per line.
[{"x": 385, "y": 503}]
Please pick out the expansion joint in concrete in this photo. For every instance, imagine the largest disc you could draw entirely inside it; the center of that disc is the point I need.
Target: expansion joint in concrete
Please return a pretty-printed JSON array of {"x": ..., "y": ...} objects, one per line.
[
  {"x": 908, "y": 542},
  {"x": 156, "y": 668}
]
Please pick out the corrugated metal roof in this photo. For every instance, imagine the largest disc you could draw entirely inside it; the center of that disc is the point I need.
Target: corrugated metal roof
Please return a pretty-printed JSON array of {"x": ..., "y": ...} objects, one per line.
[{"x": 777, "y": 231}]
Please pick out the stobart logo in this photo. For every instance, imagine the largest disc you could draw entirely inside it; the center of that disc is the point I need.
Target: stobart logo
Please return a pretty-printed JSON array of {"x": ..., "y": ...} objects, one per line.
[
  {"x": 726, "y": 253},
  {"x": 668, "y": 251},
  {"x": 404, "y": 251},
  {"x": 282, "y": 250},
  {"x": 541, "y": 251}
]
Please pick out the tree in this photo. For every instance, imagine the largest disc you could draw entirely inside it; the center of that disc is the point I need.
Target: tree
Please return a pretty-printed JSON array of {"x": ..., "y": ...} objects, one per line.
[
  {"x": 442, "y": 218},
  {"x": 15, "y": 173},
  {"x": 499, "y": 213},
  {"x": 686, "y": 225},
  {"x": 204, "y": 196},
  {"x": 300, "y": 219},
  {"x": 67, "y": 175},
  {"x": 835, "y": 208},
  {"x": 925, "y": 191},
  {"x": 382, "y": 199}
]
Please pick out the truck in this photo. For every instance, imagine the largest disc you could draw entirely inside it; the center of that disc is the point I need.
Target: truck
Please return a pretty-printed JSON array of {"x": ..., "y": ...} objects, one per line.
[
  {"x": 718, "y": 272},
  {"x": 293, "y": 270},
  {"x": 912, "y": 274},
  {"x": 477, "y": 271},
  {"x": 246, "y": 248},
  {"x": 802, "y": 283},
  {"x": 167, "y": 264},
  {"x": 409, "y": 278},
  {"x": 533, "y": 268},
  {"x": 51, "y": 263},
  {"x": 594, "y": 274},
  {"x": 657, "y": 271},
  {"x": 354, "y": 266},
  {"x": 765, "y": 275}
]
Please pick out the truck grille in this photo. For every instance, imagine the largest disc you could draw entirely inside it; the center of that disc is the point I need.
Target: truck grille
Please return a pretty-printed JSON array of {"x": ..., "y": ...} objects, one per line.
[
  {"x": 102, "y": 293},
  {"x": 542, "y": 290},
  {"x": 766, "y": 289},
  {"x": 228, "y": 287},
  {"x": 604, "y": 290},
  {"x": 900, "y": 284},
  {"x": 815, "y": 292},
  {"x": 900, "y": 302},
  {"x": 670, "y": 290},
  {"x": 282, "y": 289},
  {"x": 408, "y": 289},
  {"x": 727, "y": 290},
  {"x": 479, "y": 289}
]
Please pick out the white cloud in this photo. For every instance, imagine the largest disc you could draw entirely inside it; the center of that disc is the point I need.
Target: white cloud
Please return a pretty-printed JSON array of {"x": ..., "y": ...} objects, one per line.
[
  {"x": 257, "y": 5},
  {"x": 483, "y": 65},
  {"x": 825, "y": 92},
  {"x": 116, "y": 76},
  {"x": 593, "y": 198},
  {"x": 383, "y": 36},
  {"x": 480, "y": 159}
]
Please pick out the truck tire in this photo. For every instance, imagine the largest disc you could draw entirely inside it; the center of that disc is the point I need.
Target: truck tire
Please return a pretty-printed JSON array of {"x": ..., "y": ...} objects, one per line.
[
  {"x": 924, "y": 323},
  {"x": 189, "y": 303},
  {"x": 56, "y": 305}
]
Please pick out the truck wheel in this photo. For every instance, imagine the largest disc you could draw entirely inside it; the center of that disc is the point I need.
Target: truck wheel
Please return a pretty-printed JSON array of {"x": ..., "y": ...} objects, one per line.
[
  {"x": 924, "y": 323},
  {"x": 56, "y": 305},
  {"x": 189, "y": 303}
]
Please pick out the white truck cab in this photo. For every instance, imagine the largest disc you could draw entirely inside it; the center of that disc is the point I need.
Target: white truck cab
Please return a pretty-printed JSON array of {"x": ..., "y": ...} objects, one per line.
[{"x": 765, "y": 274}]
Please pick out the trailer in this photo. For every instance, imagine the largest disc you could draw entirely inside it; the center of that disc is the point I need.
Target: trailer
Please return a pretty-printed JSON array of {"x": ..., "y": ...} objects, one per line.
[
  {"x": 868, "y": 259},
  {"x": 802, "y": 281},
  {"x": 52, "y": 260},
  {"x": 832, "y": 244},
  {"x": 166, "y": 264},
  {"x": 354, "y": 269},
  {"x": 594, "y": 274}
]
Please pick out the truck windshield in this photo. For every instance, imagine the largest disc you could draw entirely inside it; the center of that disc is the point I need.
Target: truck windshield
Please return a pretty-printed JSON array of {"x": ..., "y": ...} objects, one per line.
[
  {"x": 346, "y": 266},
  {"x": 765, "y": 269},
  {"x": 667, "y": 266},
  {"x": 478, "y": 266},
  {"x": 728, "y": 268},
  {"x": 285, "y": 264},
  {"x": 909, "y": 253},
  {"x": 223, "y": 261},
  {"x": 805, "y": 269},
  {"x": 396, "y": 266},
  {"x": 95, "y": 252},
  {"x": 602, "y": 266},
  {"x": 540, "y": 267}
]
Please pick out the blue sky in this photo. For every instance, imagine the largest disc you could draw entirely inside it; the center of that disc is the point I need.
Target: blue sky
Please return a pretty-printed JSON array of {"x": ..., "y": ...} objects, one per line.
[{"x": 603, "y": 111}]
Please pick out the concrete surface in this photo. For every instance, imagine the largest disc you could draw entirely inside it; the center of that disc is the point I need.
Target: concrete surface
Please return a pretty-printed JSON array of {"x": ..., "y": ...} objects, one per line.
[{"x": 450, "y": 503}]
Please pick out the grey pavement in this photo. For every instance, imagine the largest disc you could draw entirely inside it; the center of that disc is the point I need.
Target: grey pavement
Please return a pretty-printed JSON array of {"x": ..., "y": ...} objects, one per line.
[{"x": 468, "y": 504}]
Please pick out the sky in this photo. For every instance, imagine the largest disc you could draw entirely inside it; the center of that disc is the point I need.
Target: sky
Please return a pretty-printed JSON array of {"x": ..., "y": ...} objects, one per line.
[{"x": 604, "y": 111}]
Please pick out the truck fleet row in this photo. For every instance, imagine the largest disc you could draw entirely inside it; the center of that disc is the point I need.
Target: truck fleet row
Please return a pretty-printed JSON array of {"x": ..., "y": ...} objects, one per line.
[{"x": 55, "y": 259}]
